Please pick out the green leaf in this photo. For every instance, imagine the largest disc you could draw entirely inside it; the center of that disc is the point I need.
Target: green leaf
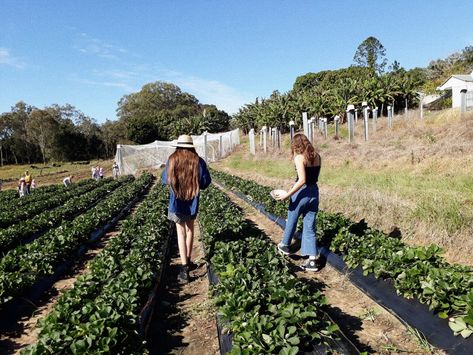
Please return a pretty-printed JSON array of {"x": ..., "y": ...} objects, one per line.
[
  {"x": 465, "y": 333},
  {"x": 267, "y": 339},
  {"x": 443, "y": 315}
]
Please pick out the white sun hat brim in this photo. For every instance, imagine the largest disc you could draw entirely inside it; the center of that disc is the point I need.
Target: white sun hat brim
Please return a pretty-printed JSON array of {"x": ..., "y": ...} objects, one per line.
[{"x": 184, "y": 141}]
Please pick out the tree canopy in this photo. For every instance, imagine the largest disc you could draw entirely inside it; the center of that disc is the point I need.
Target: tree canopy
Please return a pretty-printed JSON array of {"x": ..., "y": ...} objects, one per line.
[
  {"x": 371, "y": 54},
  {"x": 60, "y": 133},
  {"x": 327, "y": 93},
  {"x": 162, "y": 111}
]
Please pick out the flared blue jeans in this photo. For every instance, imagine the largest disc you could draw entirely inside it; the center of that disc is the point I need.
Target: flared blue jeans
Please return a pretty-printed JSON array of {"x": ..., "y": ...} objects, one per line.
[{"x": 305, "y": 203}]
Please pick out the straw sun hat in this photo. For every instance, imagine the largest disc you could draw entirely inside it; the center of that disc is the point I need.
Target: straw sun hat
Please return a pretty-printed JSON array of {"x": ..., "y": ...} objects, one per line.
[{"x": 184, "y": 141}]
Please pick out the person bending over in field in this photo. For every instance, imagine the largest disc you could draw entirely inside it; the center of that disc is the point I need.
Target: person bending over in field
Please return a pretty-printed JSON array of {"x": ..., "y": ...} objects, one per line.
[
  {"x": 304, "y": 201},
  {"x": 186, "y": 174},
  {"x": 22, "y": 187},
  {"x": 67, "y": 180}
]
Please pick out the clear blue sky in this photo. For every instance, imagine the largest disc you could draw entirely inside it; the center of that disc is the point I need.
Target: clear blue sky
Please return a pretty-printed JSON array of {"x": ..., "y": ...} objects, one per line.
[{"x": 91, "y": 53}]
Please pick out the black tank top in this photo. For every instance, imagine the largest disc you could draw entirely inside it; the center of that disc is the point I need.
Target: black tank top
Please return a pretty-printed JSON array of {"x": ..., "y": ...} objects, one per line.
[{"x": 312, "y": 175}]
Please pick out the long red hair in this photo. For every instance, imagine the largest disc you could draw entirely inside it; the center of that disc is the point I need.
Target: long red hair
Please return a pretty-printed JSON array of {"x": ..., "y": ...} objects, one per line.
[
  {"x": 183, "y": 173},
  {"x": 302, "y": 145}
]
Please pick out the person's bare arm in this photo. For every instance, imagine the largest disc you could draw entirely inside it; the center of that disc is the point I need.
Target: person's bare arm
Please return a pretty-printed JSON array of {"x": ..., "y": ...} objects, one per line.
[{"x": 299, "y": 162}]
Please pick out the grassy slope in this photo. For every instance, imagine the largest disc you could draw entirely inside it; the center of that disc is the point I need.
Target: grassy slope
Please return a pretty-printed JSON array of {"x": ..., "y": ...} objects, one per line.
[{"x": 417, "y": 177}]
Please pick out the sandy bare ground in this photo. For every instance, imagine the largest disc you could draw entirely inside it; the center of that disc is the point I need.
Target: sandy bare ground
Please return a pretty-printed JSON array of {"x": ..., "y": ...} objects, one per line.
[
  {"x": 367, "y": 324},
  {"x": 184, "y": 318}
]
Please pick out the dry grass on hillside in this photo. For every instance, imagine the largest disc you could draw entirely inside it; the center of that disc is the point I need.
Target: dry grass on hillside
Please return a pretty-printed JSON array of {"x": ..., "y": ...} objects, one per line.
[
  {"x": 445, "y": 136},
  {"x": 417, "y": 177}
]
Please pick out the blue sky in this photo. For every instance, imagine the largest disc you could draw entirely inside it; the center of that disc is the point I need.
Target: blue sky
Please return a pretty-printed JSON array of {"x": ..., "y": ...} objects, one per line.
[{"x": 91, "y": 53}]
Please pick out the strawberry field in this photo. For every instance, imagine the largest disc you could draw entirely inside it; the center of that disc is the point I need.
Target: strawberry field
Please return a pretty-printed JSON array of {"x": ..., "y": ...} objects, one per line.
[
  {"x": 261, "y": 305},
  {"x": 418, "y": 272}
]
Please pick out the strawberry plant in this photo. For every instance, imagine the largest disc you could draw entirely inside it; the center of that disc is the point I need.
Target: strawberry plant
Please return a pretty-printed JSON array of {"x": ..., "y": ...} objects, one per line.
[
  {"x": 417, "y": 271},
  {"x": 16, "y": 214},
  {"x": 10, "y": 237},
  {"x": 13, "y": 200},
  {"x": 27, "y": 264},
  {"x": 101, "y": 313},
  {"x": 267, "y": 308}
]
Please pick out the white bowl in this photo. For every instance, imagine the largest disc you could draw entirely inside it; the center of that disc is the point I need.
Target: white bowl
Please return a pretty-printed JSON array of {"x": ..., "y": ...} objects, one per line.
[{"x": 275, "y": 193}]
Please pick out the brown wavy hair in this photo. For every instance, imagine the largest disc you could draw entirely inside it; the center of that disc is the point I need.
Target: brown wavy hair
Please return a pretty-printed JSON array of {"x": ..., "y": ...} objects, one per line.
[
  {"x": 302, "y": 145},
  {"x": 183, "y": 173}
]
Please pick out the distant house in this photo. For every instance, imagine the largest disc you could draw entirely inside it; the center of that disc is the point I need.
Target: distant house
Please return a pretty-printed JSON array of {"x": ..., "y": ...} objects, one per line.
[{"x": 457, "y": 83}]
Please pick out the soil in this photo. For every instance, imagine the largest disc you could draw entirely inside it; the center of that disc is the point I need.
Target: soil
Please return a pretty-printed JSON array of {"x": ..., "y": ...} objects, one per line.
[
  {"x": 369, "y": 326},
  {"x": 184, "y": 318}
]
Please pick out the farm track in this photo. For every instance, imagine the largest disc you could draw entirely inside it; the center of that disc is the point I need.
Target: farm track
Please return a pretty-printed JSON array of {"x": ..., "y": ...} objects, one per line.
[
  {"x": 369, "y": 326},
  {"x": 184, "y": 320},
  {"x": 22, "y": 331}
]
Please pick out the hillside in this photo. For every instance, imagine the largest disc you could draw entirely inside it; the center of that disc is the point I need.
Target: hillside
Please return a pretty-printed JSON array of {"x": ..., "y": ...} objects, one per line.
[{"x": 416, "y": 179}]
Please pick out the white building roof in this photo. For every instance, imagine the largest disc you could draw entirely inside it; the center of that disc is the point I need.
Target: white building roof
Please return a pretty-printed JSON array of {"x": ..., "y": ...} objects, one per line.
[
  {"x": 448, "y": 84},
  {"x": 464, "y": 77}
]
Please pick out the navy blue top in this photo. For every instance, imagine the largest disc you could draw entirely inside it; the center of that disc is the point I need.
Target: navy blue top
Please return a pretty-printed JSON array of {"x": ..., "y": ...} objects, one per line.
[{"x": 187, "y": 207}]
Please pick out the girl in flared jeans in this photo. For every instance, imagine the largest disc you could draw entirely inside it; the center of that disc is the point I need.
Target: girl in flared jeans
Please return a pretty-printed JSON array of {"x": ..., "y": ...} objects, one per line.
[{"x": 305, "y": 203}]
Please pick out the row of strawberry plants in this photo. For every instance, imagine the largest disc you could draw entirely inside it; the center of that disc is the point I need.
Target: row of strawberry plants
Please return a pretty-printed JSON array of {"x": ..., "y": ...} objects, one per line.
[
  {"x": 8, "y": 195},
  {"x": 417, "y": 271},
  {"x": 37, "y": 194},
  {"x": 49, "y": 201},
  {"x": 12, "y": 236},
  {"x": 25, "y": 265},
  {"x": 100, "y": 314},
  {"x": 267, "y": 308}
]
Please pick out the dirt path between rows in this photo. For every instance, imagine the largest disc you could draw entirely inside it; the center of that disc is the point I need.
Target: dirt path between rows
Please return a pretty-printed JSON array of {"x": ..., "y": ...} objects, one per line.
[
  {"x": 25, "y": 332},
  {"x": 184, "y": 318},
  {"x": 366, "y": 324}
]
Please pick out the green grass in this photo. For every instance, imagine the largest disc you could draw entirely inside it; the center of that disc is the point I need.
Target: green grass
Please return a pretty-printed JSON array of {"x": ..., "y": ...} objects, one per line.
[
  {"x": 437, "y": 199},
  {"x": 270, "y": 168}
]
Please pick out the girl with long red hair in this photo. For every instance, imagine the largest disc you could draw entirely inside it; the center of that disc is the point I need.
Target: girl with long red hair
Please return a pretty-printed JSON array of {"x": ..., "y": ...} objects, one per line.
[
  {"x": 304, "y": 201},
  {"x": 186, "y": 174}
]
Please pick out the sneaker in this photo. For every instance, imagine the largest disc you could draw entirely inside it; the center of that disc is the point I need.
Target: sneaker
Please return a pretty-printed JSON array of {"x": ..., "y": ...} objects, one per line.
[
  {"x": 310, "y": 265},
  {"x": 183, "y": 276},
  {"x": 284, "y": 249},
  {"x": 296, "y": 246}
]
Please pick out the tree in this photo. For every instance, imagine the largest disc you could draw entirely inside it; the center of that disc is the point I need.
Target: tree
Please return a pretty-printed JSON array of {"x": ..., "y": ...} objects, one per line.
[
  {"x": 371, "y": 54},
  {"x": 112, "y": 133},
  {"x": 42, "y": 126},
  {"x": 149, "y": 114}
]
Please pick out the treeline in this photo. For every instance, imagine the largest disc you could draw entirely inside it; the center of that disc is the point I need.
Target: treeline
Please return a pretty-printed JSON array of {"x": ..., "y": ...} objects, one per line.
[
  {"x": 160, "y": 111},
  {"x": 327, "y": 93},
  {"x": 55, "y": 133}
]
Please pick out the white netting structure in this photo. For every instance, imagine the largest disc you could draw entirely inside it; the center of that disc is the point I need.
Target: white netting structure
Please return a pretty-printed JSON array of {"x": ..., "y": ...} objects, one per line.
[{"x": 210, "y": 146}]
